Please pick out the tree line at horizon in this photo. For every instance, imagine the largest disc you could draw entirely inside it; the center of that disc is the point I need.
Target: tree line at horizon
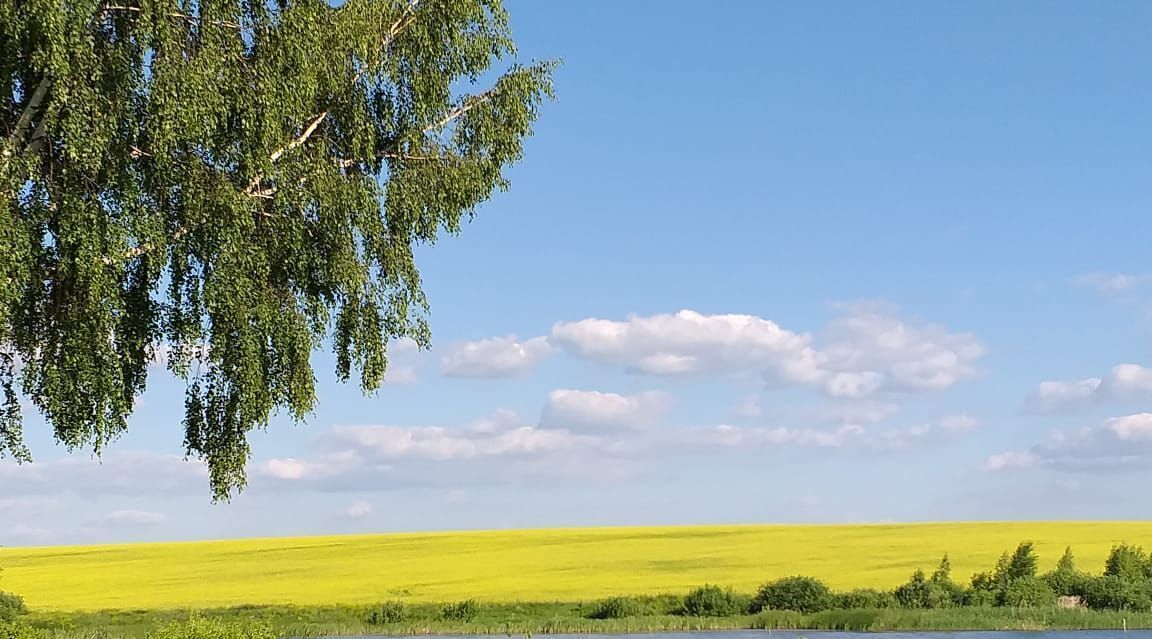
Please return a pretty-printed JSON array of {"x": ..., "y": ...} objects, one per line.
[{"x": 1015, "y": 581}]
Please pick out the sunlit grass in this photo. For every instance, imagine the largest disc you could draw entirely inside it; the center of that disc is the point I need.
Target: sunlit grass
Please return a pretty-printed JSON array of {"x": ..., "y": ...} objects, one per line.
[{"x": 528, "y": 565}]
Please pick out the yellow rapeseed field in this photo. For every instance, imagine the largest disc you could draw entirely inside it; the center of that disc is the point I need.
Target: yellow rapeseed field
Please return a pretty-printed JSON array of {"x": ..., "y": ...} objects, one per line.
[{"x": 524, "y": 565}]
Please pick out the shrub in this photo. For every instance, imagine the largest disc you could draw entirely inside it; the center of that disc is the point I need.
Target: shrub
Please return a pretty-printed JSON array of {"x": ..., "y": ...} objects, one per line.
[
  {"x": 801, "y": 594},
  {"x": 980, "y": 597},
  {"x": 1110, "y": 592},
  {"x": 460, "y": 611},
  {"x": 16, "y": 630},
  {"x": 11, "y": 606},
  {"x": 713, "y": 601},
  {"x": 664, "y": 604},
  {"x": 1028, "y": 592},
  {"x": 864, "y": 598},
  {"x": 201, "y": 628},
  {"x": 387, "y": 612},
  {"x": 616, "y": 608}
]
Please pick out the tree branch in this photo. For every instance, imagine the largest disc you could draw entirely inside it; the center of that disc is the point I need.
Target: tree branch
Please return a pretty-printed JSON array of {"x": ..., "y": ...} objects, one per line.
[
  {"x": 175, "y": 14},
  {"x": 35, "y": 101},
  {"x": 467, "y": 105},
  {"x": 399, "y": 25}
]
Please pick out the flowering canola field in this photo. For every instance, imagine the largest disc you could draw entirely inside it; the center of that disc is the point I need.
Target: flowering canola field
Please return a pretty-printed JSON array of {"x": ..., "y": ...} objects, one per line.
[{"x": 525, "y": 565}]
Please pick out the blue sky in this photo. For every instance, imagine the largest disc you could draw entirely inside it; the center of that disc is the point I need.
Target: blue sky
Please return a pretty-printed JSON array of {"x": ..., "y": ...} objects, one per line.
[{"x": 763, "y": 262}]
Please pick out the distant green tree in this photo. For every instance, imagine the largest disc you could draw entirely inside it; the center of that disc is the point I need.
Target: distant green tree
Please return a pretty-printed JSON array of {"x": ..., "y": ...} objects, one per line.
[
  {"x": 1065, "y": 579},
  {"x": 1023, "y": 562},
  {"x": 943, "y": 572},
  {"x": 801, "y": 594},
  {"x": 234, "y": 185},
  {"x": 942, "y": 580},
  {"x": 1128, "y": 563},
  {"x": 1066, "y": 563}
]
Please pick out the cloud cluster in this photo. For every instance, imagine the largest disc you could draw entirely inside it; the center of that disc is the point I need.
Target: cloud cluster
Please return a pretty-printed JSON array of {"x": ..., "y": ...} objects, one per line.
[
  {"x": 1124, "y": 381},
  {"x": 1114, "y": 283},
  {"x": 1119, "y": 443},
  {"x": 846, "y": 436},
  {"x": 593, "y": 411},
  {"x": 125, "y": 473},
  {"x": 495, "y": 357},
  {"x": 863, "y": 352}
]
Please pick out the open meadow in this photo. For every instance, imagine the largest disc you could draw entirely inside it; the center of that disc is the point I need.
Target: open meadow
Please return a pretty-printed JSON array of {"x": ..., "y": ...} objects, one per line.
[{"x": 524, "y": 565}]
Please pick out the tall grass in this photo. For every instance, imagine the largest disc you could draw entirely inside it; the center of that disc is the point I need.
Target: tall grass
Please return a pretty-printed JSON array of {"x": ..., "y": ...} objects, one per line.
[{"x": 568, "y": 618}]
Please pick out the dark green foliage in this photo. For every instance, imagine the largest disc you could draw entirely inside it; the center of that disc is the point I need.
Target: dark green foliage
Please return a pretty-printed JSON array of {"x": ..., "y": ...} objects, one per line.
[
  {"x": 1021, "y": 564},
  {"x": 1129, "y": 563},
  {"x": 921, "y": 592},
  {"x": 1067, "y": 562},
  {"x": 952, "y": 593},
  {"x": 232, "y": 185},
  {"x": 1028, "y": 592},
  {"x": 1065, "y": 580},
  {"x": 460, "y": 611},
  {"x": 1111, "y": 592},
  {"x": 864, "y": 598},
  {"x": 801, "y": 594},
  {"x": 713, "y": 601},
  {"x": 11, "y": 606},
  {"x": 387, "y": 612},
  {"x": 616, "y": 608},
  {"x": 19, "y": 630},
  {"x": 977, "y": 598}
]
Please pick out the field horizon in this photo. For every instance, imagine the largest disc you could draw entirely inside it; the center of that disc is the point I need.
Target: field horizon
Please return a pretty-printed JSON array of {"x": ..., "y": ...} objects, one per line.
[{"x": 528, "y": 565}]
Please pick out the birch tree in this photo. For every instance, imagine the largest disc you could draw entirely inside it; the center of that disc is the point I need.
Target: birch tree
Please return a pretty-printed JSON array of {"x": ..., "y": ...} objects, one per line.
[{"x": 233, "y": 185}]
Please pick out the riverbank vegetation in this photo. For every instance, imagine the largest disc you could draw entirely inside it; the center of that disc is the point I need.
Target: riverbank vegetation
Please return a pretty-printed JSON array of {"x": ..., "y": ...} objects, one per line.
[{"x": 1012, "y": 595}]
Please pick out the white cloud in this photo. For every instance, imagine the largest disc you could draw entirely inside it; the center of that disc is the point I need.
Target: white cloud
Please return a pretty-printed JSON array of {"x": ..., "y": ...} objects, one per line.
[
  {"x": 845, "y": 436},
  {"x": 503, "y": 419},
  {"x": 959, "y": 423},
  {"x": 1124, "y": 381},
  {"x": 495, "y": 357},
  {"x": 1008, "y": 460},
  {"x": 357, "y": 510},
  {"x": 1119, "y": 443},
  {"x": 1114, "y": 283},
  {"x": 292, "y": 469},
  {"x": 860, "y": 353},
  {"x": 727, "y": 435},
  {"x": 400, "y": 375},
  {"x": 583, "y": 411},
  {"x": 130, "y": 519},
  {"x": 126, "y": 473},
  {"x": 444, "y": 444},
  {"x": 856, "y": 412},
  {"x": 688, "y": 342},
  {"x": 748, "y": 408},
  {"x": 1136, "y": 427}
]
